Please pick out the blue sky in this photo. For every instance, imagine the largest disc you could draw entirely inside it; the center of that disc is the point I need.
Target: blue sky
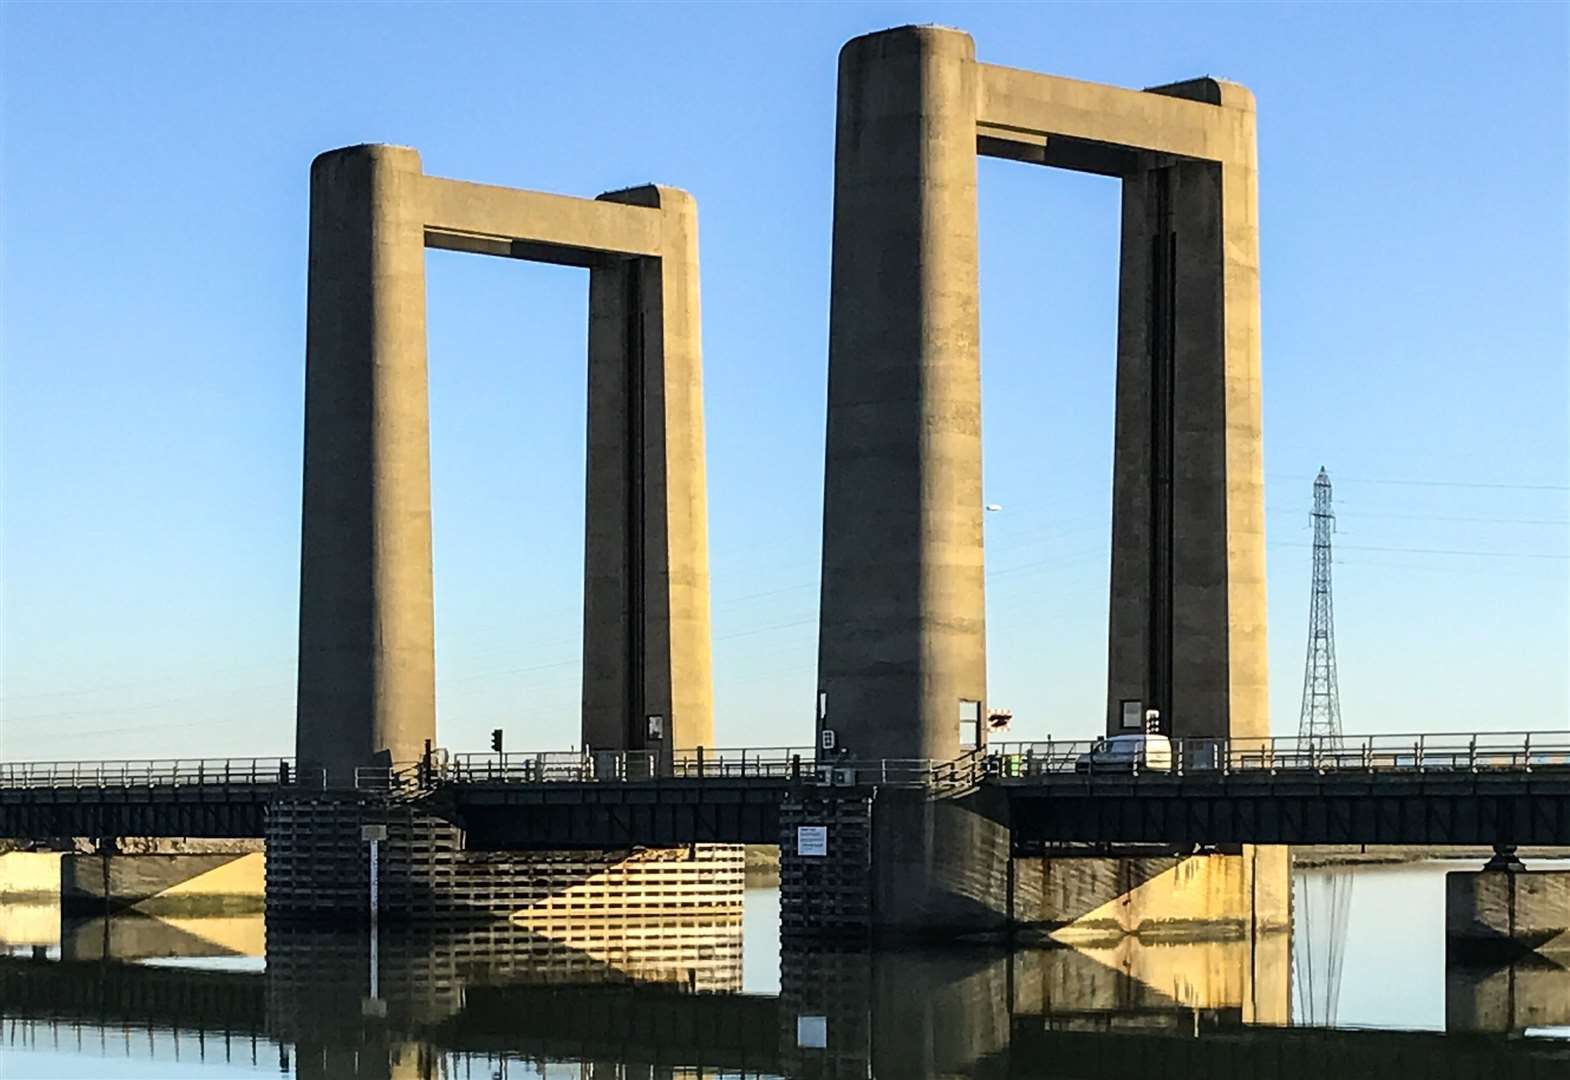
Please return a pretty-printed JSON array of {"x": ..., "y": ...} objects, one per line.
[{"x": 1413, "y": 186}]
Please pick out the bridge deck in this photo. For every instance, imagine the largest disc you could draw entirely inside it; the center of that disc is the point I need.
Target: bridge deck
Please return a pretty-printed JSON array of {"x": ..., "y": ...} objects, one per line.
[{"x": 1419, "y": 790}]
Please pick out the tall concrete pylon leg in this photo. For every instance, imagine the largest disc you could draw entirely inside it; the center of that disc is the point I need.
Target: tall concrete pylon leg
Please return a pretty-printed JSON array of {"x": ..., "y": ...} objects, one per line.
[
  {"x": 1187, "y": 620},
  {"x": 902, "y": 638},
  {"x": 367, "y": 689},
  {"x": 646, "y": 633}
]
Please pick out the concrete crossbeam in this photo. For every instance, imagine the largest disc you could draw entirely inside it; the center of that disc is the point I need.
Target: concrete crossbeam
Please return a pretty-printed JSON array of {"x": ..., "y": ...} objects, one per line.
[
  {"x": 584, "y": 231},
  {"x": 1026, "y": 106}
]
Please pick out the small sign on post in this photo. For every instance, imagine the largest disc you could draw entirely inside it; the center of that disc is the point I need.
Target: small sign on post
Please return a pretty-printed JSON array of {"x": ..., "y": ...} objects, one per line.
[
  {"x": 812, "y": 841},
  {"x": 374, "y": 835},
  {"x": 812, "y": 1032},
  {"x": 1133, "y": 710}
]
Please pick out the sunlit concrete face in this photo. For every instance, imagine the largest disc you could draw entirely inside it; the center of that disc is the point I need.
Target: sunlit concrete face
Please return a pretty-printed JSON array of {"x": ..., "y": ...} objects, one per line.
[
  {"x": 902, "y": 641},
  {"x": 367, "y": 654}
]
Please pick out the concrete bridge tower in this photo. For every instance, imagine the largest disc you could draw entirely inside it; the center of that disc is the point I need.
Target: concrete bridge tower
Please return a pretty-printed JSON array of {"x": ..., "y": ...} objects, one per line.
[
  {"x": 367, "y": 655},
  {"x": 902, "y": 644},
  {"x": 902, "y": 639}
]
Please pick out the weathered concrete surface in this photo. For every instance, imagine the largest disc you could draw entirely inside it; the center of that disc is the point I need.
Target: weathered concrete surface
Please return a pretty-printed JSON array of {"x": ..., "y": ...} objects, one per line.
[
  {"x": 902, "y": 628},
  {"x": 28, "y": 876},
  {"x": 940, "y": 867},
  {"x": 163, "y": 883},
  {"x": 1187, "y": 619},
  {"x": 1163, "y": 898},
  {"x": 29, "y": 899},
  {"x": 367, "y": 667},
  {"x": 1501, "y": 912},
  {"x": 646, "y": 637},
  {"x": 367, "y": 690},
  {"x": 318, "y": 871}
]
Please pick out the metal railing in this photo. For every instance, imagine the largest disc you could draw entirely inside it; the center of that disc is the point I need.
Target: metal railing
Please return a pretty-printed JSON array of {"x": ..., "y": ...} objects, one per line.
[
  {"x": 620, "y": 766},
  {"x": 1401, "y": 753},
  {"x": 1425, "y": 753},
  {"x": 188, "y": 772},
  {"x": 705, "y": 763}
]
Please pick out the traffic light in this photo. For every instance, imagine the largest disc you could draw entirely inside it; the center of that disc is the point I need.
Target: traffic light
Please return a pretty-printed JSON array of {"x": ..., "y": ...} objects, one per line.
[{"x": 496, "y": 740}]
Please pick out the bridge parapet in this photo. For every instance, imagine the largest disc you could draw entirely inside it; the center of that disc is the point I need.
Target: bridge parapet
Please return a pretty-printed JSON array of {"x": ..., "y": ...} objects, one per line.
[
  {"x": 187, "y": 773},
  {"x": 796, "y": 764},
  {"x": 1523, "y": 752}
]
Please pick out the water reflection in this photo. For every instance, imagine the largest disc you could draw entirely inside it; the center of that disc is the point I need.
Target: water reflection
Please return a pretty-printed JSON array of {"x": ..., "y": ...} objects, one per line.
[
  {"x": 665, "y": 1000},
  {"x": 1321, "y": 907}
]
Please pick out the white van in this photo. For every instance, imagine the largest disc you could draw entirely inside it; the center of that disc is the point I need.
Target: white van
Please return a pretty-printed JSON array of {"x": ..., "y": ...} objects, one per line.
[{"x": 1127, "y": 753}]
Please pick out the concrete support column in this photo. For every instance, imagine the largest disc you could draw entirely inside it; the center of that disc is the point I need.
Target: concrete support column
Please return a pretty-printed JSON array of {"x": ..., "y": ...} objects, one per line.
[
  {"x": 902, "y": 630},
  {"x": 940, "y": 867},
  {"x": 1187, "y": 631},
  {"x": 646, "y": 568},
  {"x": 1492, "y": 914},
  {"x": 367, "y": 656}
]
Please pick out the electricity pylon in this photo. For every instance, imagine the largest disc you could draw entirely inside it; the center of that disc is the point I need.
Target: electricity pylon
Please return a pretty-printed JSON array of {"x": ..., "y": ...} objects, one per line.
[{"x": 1319, "y": 723}]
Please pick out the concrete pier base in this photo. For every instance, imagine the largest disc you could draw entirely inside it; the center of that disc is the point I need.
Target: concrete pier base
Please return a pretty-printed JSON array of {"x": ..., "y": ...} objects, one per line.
[
  {"x": 940, "y": 867},
  {"x": 1498, "y": 913},
  {"x": 318, "y": 867},
  {"x": 894, "y": 864},
  {"x": 1080, "y": 899},
  {"x": 217, "y": 883}
]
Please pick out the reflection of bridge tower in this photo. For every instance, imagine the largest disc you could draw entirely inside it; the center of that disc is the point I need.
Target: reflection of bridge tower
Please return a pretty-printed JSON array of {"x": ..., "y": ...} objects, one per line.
[
  {"x": 1321, "y": 905},
  {"x": 1319, "y": 723}
]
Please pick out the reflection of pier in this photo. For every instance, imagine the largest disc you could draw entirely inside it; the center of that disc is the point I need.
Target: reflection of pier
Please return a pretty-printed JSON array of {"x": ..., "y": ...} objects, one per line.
[
  {"x": 502, "y": 993},
  {"x": 1530, "y": 991},
  {"x": 1280, "y": 1053}
]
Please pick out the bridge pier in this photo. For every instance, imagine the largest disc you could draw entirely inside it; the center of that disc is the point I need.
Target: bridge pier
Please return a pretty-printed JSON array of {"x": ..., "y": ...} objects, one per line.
[
  {"x": 1505, "y": 910},
  {"x": 1078, "y": 897},
  {"x": 894, "y": 862},
  {"x": 903, "y": 863},
  {"x": 318, "y": 868}
]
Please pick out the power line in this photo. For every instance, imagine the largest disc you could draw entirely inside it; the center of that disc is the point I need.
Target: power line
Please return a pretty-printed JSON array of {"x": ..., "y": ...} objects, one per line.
[
  {"x": 1498, "y": 485},
  {"x": 1359, "y": 514},
  {"x": 1437, "y": 551}
]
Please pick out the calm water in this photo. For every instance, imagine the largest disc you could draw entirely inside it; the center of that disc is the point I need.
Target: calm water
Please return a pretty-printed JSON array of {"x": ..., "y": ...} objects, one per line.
[{"x": 1361, "y": 988}]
